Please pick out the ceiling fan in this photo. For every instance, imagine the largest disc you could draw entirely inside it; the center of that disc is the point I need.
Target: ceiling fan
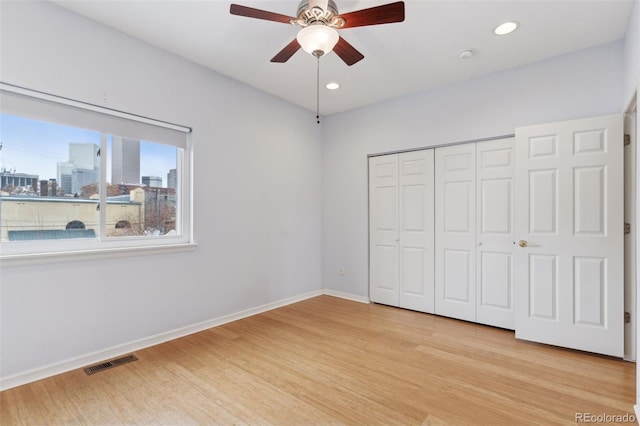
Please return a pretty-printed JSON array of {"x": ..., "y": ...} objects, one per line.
[{"x": 319, "y": 20}]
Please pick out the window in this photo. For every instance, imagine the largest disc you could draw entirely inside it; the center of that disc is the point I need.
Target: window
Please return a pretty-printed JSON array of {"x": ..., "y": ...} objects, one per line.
[{"x": 76, "y": 176}]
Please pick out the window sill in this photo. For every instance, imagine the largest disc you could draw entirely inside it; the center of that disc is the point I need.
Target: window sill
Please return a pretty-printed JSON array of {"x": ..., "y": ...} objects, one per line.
[{"x": 75, "y": 255}]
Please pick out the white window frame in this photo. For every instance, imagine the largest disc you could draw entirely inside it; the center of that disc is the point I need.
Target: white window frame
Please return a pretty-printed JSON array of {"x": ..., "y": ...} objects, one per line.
[{"x": 51, "y": 250}]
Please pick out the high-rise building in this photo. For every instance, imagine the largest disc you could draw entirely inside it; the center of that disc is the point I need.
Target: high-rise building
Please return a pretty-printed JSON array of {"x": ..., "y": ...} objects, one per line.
[
  {"x": 65, "y": 176},
  {"x": 125, "y": 160},
  {"x": 152, "y": 181},
  {"x": 84, "y": 155},
  {"x": 172, "y": 179},
  {"x": 83, "y": 167},
  {"x": 83, "y": 177},
  {"x": 53, "y": 188}
]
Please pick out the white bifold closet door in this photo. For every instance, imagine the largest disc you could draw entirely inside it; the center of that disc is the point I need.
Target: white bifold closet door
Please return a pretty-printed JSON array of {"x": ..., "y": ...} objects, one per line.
[
  {"x": 474, "y": 232},
  {"x": 455, "y": 261},
  {"x": 495, "y": 233},
  {"x": 569, "y": 227},
  {"x": 401, "y": 220}
]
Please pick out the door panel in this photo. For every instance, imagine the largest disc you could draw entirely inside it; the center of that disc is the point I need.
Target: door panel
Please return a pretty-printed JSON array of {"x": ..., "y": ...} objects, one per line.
[
  {"x": 386, "y": 267},
  {"x": 590, "y": 200},
  {"x": 543, "y": 284},
  {"x": 457, "y": 206},
  {"x": 457, "y": 276},
  {"x": 455, "y": 223},
  {"x": 590, "y": 289},
  {"x": 383, "y": 229},
  {"x": 496, "y": 206},
  {"x": 416, "y": 230},
  {"x": 496, "y": 281},
  {"x": 495, "y": 227},
  {"x": 412, "y": 209},
  {"x": 386, "y": 213},
  {"x": 543, "y": 195},
  {"x": 569, "y": 206},
  {"x": 414, "y": 274}
]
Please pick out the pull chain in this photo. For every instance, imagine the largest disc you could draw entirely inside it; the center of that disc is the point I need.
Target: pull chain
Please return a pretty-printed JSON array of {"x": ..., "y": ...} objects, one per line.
[{"x": 318, "y": 91}]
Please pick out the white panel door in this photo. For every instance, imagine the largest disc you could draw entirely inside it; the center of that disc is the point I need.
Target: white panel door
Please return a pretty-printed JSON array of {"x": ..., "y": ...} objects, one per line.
[
  {"x": 455, "y": 231},
  {"x": 569, "y": 230},
  {"x": 494, "y": 229},
  {"x": 416, "y": 230},
  {"x": 383, "y": 230}
]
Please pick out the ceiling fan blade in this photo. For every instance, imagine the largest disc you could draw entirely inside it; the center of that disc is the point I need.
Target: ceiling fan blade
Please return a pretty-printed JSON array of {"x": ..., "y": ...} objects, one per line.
[
  {"x": 250, "y": 12},
  {"x": 347, "y": 52},
  {"x": 385, "y": 14},
  {"x": 287, "y": 52}
]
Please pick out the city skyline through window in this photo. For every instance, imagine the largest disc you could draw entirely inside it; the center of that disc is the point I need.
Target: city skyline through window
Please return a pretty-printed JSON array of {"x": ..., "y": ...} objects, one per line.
[{"x": 37, "y": 147}]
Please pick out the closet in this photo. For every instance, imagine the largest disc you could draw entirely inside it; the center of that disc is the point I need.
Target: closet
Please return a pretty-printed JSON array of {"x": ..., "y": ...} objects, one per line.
[
  {"x": 522, "y": 233},
  {"x": 452, "y": 257},
  {"x": 401, "y": 230},
  {"x": 474, "y": 232}
]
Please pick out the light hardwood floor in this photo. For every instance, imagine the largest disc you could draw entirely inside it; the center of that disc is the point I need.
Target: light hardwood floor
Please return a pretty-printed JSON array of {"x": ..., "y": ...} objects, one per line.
[{"x": 332, "y": 361}]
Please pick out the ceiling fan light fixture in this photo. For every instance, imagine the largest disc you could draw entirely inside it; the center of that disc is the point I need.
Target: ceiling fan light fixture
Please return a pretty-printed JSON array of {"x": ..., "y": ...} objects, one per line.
[{"x": 317, "y": 40}]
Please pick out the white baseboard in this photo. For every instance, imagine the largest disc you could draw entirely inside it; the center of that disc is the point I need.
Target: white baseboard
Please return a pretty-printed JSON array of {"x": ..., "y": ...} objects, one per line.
[
  {"x": 348, "y": 296},
  {"x": 119, "y": 350}
]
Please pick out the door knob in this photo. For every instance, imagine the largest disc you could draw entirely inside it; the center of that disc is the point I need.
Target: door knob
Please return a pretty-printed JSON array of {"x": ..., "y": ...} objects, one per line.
[{"x": 522, "y": 243}]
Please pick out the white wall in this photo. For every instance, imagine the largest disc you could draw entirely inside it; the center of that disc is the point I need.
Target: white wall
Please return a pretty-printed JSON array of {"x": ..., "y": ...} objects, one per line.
[
  {"x": 581, "y": 84},
  {"x": 258, "y": 187}
]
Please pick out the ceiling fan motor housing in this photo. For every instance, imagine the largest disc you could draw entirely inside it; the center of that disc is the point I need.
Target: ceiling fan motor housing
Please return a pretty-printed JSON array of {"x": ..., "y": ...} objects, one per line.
[{"x": 310, "y": 16}]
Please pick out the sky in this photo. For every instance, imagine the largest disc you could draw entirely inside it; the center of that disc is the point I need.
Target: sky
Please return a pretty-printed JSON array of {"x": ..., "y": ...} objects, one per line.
[{"x": 36, "y": 147}]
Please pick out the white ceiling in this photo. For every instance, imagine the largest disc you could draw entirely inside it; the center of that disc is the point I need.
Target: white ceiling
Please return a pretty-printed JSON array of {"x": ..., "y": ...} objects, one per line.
[{"x": 401, "y": 58}]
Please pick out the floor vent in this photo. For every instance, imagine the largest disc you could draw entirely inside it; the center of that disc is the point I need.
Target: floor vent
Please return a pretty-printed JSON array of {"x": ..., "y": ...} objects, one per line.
[{"x": 110, "y": 364}]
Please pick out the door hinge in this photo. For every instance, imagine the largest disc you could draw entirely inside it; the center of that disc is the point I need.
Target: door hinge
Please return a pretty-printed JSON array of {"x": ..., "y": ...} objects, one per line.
[
  {"x": 627, "y": 228},
  {"x": 627, "y": 317},
  {"x": 627, "y": 140}
]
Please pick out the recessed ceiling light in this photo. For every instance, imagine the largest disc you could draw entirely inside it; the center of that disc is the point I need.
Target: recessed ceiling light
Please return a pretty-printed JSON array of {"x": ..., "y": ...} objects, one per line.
[
  {"x": 506, "y": 28},
  {"x": 332, "y": 86}
]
